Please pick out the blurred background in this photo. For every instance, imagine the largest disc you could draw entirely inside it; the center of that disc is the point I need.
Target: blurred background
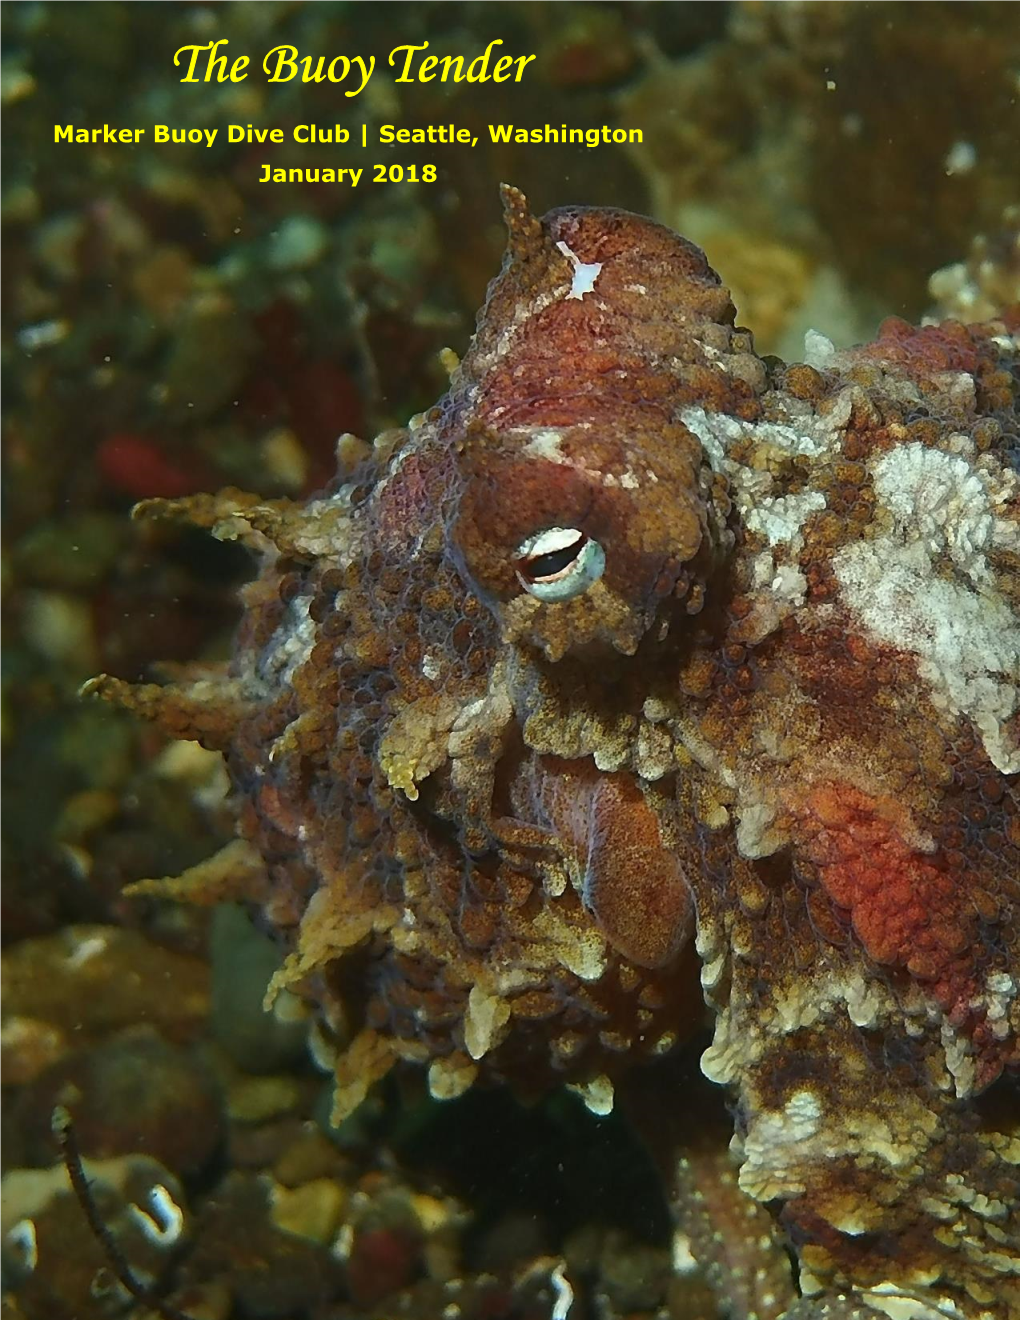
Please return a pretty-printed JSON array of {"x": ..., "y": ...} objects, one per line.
[{"x": 171, "y": 325}]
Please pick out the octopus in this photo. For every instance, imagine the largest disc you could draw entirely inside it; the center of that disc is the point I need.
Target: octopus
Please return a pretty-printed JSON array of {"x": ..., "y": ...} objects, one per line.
[{"x": 644, "y": 685}]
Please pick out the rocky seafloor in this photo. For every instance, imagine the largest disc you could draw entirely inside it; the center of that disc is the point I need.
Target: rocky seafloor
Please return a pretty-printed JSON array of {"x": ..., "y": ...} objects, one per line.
[{"x": 170, "y": 325}]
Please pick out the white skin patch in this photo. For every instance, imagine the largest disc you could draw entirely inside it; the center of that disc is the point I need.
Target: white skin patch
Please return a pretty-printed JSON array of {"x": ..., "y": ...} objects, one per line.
[
  {"x": 585, "y": 273},
  {"x": 774, "y": 1147},
  {"x": 888, "y": 1298},
  {"x": 941, "y": 500},
  {"x": 546, "y": 444},
  {"x": 803, "y": 433},
  {"x": 818, "y": 350},
  {"x": 780, "y": 520},
  {"x": 967, "y": 645}
]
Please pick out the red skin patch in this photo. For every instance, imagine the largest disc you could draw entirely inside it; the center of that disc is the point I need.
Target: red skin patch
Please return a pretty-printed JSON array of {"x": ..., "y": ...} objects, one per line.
[
  {"x": 583, "y": 357},
  {"x": 906, "y": 907},
  {"x": 925, "y": 349}
]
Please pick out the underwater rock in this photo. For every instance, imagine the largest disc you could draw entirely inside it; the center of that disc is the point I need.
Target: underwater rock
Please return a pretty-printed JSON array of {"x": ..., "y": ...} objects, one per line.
[
  {"x": 86, "y": 982},
  {"x": 313, "y": 1210},
  {"x": 243, "y": 962},
  {"x": 269, "y": 1272},
  {"x": 57, "y": 1268},
  {"x": 644, "y": 680},
  {"x": 309, "y": 1157},
  {"x": 257, "y": 1099},
  {"x": 394, "y": 1235},
  {"x": 383, "y": 1261},
  {"x": 634, "y": 1276},
  {"x": 76, "y": 553},
  {"x": 133, "y": 1093}
]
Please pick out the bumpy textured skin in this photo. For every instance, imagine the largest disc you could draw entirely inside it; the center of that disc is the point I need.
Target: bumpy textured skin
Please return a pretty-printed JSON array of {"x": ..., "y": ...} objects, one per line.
[{"x": 773, "y": 748}]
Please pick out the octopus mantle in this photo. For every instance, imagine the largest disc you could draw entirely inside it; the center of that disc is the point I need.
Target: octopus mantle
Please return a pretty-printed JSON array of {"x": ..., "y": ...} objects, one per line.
[{"x": 643, "y": 682}]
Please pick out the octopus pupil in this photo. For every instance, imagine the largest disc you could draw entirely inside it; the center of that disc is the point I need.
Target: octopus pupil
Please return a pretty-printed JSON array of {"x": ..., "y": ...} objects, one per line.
[{"x": 543, "y": 567}]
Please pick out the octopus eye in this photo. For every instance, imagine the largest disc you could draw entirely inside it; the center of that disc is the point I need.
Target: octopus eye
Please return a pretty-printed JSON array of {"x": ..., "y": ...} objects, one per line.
[{"x": 559, "y": 563}]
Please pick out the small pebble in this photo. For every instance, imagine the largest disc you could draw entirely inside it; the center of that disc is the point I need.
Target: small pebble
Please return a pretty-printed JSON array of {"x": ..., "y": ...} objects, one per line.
[
  {"x": 311, "y": 1155},
  {"x": 270, "y": 1273},
  {"x": 256, "y": 1099},
  {"x": 243, "y": 963},
  {"x": 28, "y": 1047},
  {"x": 312, "y": 1211},
  {"x": 134, "y": 1093}
]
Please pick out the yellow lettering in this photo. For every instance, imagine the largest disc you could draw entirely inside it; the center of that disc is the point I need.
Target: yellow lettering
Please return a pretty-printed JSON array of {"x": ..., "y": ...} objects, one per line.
[
  {"x": 195, "y": 51},
  {"x": 454, "y": 64},
  {"x": 285, "y": 59},
  {"x": 480, "y": 74},
  {"x": 525, "y": 59},
  {"x": 215, "y": 66},
  {"x": 405, "y": 74},
  {"x": 338, "y": 59},
  {"x": 366, "y": 72},
  {"x": 502, "y": 64}
]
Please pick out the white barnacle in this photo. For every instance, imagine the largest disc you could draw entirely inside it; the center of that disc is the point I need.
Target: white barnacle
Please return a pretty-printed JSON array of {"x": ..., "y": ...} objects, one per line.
[
  {"x": 585, "y": 272},
  {"x": 85, "y": 950},
  {"x": 21, "y": 1239},
  {"x": 165, "y": 1224},
  {"x": 559, "y": 563},
  {"x": 683, "y": 1258},
  {"x": 564, "y": 1293}
]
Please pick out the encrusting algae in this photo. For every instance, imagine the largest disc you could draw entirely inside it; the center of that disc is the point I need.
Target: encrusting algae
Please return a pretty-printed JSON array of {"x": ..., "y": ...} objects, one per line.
[{"x": 644, "y": 682}]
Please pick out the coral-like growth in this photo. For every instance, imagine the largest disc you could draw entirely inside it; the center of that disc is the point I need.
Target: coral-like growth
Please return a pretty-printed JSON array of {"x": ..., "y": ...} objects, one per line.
[{"x": 638, "y": 656}]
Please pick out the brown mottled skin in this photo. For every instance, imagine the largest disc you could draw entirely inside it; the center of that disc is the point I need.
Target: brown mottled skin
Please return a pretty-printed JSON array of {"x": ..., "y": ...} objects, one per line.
[{"x": 759, "y": 772}]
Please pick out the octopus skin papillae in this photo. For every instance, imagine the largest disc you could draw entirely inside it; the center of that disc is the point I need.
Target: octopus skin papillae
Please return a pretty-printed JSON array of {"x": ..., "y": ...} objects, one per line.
[{"x": 643, "y": 684}]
